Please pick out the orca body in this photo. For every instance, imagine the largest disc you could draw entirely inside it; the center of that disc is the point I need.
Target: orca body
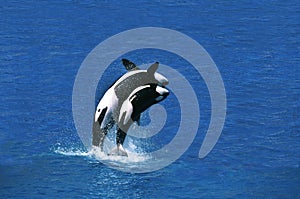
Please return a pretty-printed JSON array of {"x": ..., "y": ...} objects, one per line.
[
  {"x": 138, "y": 101},
  {"x": 108, "y": 109}
]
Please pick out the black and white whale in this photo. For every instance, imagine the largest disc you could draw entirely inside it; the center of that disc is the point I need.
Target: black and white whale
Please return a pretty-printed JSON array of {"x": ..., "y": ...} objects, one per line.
[
  {"x": 138, "y": 101},
  {"x": 108, "y": 109}
]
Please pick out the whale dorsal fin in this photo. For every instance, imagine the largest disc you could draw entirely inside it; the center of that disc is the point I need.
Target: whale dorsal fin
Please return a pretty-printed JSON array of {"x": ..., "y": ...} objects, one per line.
[
  {"x": 152, "y": 69},
  {"x": 129, "y": 65}
]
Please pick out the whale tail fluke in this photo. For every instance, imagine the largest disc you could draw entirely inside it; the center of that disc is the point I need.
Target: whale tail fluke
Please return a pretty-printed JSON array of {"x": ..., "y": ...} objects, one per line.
[{"x": 118, "y": 151}]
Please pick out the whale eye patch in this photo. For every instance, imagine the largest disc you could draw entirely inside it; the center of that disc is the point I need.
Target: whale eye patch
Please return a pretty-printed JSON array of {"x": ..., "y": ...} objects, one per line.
[{"x": 98, "y": 110}]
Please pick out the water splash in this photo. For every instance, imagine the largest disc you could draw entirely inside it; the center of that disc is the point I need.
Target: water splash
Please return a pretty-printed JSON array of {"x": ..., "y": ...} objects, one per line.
[
  {"x": 135, "y": 154},
  {"x": 132, "y": 157},
  {"x": 71, "y": 151}
]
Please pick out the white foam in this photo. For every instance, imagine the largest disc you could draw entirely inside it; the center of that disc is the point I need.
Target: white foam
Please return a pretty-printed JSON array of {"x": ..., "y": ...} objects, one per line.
[
  {"x": 95, "y": 152},
  {"x": 72, "y": 151},
  {"x": 133, "y": 157}
]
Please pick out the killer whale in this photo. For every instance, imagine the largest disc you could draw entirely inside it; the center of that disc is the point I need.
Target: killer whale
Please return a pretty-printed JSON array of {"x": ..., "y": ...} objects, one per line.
[
  {"x": 138, "y": 101},
  {"x": 108, "y": 109}
]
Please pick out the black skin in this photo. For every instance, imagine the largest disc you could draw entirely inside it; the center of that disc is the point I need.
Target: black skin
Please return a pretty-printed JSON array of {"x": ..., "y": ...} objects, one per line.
[{"x": 141, "y": 101}]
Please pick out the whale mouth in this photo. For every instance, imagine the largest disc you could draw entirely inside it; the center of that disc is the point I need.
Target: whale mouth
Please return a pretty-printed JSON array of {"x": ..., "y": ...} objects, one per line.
[
  {"x": 166, "y": 93},
  {"x": 163, "y": 93}
]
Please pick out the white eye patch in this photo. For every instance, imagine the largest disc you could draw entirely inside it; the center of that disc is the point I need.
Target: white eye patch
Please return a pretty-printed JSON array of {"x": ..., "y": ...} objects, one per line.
[{"x": 161, "y": 90}]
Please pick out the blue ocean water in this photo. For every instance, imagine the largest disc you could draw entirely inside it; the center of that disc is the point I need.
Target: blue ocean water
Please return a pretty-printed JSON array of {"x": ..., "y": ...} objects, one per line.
[{"x": 255, "y": 46}]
